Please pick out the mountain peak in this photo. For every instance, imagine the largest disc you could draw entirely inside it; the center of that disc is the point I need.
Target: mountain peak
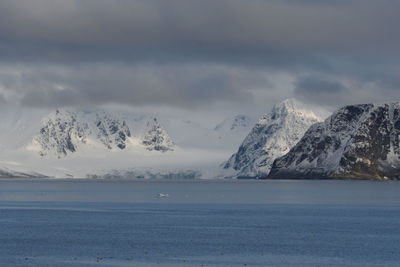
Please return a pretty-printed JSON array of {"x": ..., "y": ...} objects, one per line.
[
  {"x": 156, "y": 137},
  {"x": 292, "y": 107},
  {"x": 290, "y": 103},
  {"x": 356, "y": 141},
  {"x": 64, "y": 132},
  {"x": 61, "y": 132},
  {"x": 272, "y": 137}
]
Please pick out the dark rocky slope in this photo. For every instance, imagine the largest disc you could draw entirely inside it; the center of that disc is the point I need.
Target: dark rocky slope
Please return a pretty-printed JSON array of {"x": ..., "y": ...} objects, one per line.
[{"x": 356, "y": 142}]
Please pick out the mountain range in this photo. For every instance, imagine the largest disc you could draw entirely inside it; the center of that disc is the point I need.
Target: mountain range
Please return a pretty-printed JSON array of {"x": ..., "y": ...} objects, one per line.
[
  {"x": 111, "y": 142},
  {"x": 64, "y": 132},
  {"x": 292, "y": 141}
]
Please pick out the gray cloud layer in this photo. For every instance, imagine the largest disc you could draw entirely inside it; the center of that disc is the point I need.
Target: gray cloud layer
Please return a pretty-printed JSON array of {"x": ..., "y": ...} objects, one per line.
[
  {"x": 189, "y": 53},
  {"x": 175, "y": 85}
]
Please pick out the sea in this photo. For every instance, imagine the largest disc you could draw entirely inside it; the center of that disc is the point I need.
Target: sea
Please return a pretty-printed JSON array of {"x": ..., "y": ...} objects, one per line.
[{"x": 50, "y": 222}]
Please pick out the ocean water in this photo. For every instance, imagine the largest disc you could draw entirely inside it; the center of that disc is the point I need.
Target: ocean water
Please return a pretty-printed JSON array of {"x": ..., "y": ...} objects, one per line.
[{"x": 199, "y": 223}]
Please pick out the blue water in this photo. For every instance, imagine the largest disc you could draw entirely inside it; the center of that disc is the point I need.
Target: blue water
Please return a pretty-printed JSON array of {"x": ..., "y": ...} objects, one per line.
[{"x": 201, "y": 223}]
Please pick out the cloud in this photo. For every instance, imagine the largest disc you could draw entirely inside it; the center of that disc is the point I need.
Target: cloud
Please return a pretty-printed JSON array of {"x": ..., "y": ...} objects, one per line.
[
  {"x": 333, "y": 91},
  {"x": 60, "y": 30},
  {"x": 3, "y": 100},
  {"x": 190, "y": 53},
  {"x": 315, "y": 85},
  {"x": 186, "y": 86},
  {"x": 322, "y": 90}
]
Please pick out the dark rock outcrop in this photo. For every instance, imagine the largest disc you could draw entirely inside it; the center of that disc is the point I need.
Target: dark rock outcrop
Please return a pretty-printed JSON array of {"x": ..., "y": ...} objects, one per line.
[{"x": 356, "y": 142}]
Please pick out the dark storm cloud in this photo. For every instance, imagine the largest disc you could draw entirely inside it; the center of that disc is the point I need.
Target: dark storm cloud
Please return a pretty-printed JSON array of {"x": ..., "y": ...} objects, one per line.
[
  {"x": 2, "y": 99},
  {"x": 320, "y": 90},
  {"x": 137, "y": 29},
  {"x": 62, "y": 52},
  {"x": 174, "y": 85},
  {"x": 315, "y": 85}
]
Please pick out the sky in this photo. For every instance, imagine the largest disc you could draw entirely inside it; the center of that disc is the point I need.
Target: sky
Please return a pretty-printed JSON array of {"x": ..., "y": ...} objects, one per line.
[{"x": 208, "y": 57}]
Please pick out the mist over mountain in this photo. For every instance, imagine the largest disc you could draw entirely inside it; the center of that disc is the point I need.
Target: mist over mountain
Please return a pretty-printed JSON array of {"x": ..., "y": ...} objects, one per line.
[{"x": 112, "y": 142}]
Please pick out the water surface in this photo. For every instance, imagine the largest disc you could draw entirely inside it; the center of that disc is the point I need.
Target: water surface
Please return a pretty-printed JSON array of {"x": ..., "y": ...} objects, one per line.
[{"x": 209, "y": 223}]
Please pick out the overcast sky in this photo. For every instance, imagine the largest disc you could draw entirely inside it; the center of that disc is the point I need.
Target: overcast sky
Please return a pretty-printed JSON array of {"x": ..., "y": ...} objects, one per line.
[{"x": 219, "y": 56}]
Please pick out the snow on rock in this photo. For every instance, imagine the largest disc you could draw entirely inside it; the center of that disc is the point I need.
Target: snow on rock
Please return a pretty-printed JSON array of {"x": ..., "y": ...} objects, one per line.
[
  {"x": 112, "y": 131},
  {"x": 272, "y": 137},
  {"x": 156, "y": 138},
  {"x": 61, "y": 133},
  {"x": 64, "y": 132},
  {"x": 356, "y": 142},
  {"x": 76, "y": 142}
]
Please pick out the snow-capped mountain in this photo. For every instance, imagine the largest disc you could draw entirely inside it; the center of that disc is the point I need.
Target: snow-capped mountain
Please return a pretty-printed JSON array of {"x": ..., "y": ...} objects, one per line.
[
  {"x": 356, "y": 142},
  {"x": 68, "y": 131},
  {"x": 156, "y": 138},
  {"x": 112, "y": 131},
  {"x": 61, "y": 133},
  {"x": 108, "y": 142},
  {"x": 273, "y": 136}
]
